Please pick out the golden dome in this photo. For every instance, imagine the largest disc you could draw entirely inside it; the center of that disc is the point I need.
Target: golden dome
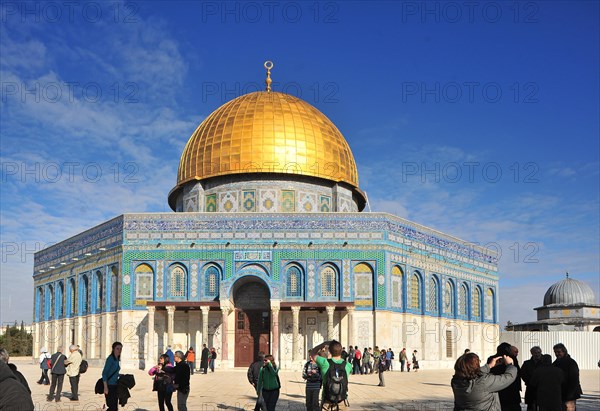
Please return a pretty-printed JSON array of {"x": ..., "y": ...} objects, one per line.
[{"x": 267, "y": 132}]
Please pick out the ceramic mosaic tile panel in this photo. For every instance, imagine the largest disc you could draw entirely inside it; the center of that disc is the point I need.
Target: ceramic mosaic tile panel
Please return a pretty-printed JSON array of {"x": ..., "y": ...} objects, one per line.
[
  {"x": 288, "y": 203},
  {"x": 211, "y": 203},
  {"x": 249, "y": 200},
  {"x": 228, "y": 201},
  {"x": 324, "y": 204}
]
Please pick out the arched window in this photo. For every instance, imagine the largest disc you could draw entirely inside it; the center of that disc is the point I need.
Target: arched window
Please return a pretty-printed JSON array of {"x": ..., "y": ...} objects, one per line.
[
  {"x": 476, "y": 303},
  {"x": 415, "y": 292},
  {"x": 211, "y": 281},
  {"x": 51, "y": 302},
  {"x": 114, "y": 288},
  {"x": 489, "y": 304},
  {"x": 328, "y": 282},
  {"x": 84, "y": 295},
  {"x": 432, "y": 300},
  {"x": 41, "y": 298},
  {"x": 294, "y": 282},
  {"x": 462, "y": 300},
  {"x": 449, "y": 298},
  {"x": 60, "y": 299},
  {"x": 144, "y": 279},
  {"x": 72, "y": 298},
  {"x": 363, "y": 282},
  {"x": 178, "y": 281},
  {"x": 397, "y": 279},
  {"x": 99, "y": 292}
]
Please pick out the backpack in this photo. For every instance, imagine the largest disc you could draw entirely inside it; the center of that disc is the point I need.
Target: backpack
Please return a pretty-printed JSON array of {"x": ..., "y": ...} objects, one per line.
[
  {"x": 83, "y": 367},
  {"x": 336, "y": 387},
  {"x": 357, "y": 355}
]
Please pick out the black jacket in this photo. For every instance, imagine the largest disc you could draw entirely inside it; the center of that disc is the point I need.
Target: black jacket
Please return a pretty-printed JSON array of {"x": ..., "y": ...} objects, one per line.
[
  {"x": 510, "y": 397},
  {"x": 547, "y": 381},
  {"x": 126, "y": 382},
  {"x": 254, "y": 371},
  {"x": 526, "y": 373},
  {"x": 19, "y": 376},
  {"x": 182, "y": 376},
  {"x": 13, "y": 395},
  {"x": 204, "y": 358},
  {"x": 571, "y": 389}
]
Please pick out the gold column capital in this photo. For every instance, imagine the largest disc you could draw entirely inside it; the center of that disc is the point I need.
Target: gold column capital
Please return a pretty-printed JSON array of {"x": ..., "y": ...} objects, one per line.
[{"x": 171, "y": 309}]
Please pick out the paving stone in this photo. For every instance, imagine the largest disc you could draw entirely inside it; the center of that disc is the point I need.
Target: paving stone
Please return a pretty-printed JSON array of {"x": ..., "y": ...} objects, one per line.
[{"x": 427, "y": 390}]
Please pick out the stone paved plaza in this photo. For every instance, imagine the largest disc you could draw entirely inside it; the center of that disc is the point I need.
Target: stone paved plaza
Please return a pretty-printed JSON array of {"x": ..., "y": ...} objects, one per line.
[{"x": 229, "y": 390}]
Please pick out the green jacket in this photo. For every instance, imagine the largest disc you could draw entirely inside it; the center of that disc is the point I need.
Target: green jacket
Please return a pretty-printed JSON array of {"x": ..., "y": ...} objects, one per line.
[{"x": 268, "y": 378}]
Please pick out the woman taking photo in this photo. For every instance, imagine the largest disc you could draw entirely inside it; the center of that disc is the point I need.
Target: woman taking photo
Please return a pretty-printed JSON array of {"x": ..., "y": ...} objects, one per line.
[
  {"x": 110, "y": 376},
  {"x": 268, "y": 383},
  {"x": 164, "y": 374},
  {"x": 475, "y": 388}
]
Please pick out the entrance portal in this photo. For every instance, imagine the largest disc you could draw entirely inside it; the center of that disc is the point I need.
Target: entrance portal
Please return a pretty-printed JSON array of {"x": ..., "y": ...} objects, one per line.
[{"x": 253, "y": 320}]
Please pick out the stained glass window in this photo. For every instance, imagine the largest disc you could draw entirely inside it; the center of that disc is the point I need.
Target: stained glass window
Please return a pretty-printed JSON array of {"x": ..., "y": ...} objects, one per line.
[
  {"x": 449, "y": 298},
  {"x": 462, "y": 300},
  {"x": 328, "y": 282},
  {"x": 211, "y": 285},
  {"x": 476, "y": 302},
  {"x": 293, "y": 285},
  {"x": 177, "y": 281},
  {"x": 432, "y": 301},
  {"x": 489, "y": 304},
  {"x": 415, "y": 292},
  {"x": 397, "y": 278}
]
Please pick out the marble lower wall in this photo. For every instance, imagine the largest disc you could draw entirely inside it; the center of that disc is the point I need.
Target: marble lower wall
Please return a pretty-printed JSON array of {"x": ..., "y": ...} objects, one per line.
[{"x": 438, "y": 341}]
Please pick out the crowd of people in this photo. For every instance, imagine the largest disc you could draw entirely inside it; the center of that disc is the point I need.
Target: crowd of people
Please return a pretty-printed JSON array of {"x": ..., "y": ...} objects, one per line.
[
  {"x": 326, "y": 374},
  {"x": 369, "y": 361},
  {"x": 496, "y": 385}
]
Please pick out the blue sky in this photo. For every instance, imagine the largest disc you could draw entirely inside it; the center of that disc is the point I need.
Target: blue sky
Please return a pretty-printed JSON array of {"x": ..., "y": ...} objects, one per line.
[{"x": 480, "y": 120}]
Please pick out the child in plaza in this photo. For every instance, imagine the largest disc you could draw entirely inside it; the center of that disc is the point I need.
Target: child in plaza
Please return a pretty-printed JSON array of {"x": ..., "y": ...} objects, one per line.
[{"x": 312, "y": 375}]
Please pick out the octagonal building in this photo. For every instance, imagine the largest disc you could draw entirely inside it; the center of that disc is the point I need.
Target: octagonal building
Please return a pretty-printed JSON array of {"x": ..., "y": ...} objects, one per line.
[{"x": 268, "y": 248}]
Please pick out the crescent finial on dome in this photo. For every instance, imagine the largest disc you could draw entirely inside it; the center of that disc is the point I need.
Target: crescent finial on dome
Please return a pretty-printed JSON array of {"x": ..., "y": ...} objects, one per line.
[{"x": 268, "y": 81}]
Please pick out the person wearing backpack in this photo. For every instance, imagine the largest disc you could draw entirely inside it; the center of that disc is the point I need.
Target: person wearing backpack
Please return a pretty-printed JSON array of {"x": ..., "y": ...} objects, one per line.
[
  {"x": 73, "y": 363},
  {"x": 268, "y": 383},
  {"x": 45, "y": 366},
  {"x": 335, "y": 372},
  {"x": 312, "y": 375},
  {"x": 356, "y": 361},
  {"x": 383, "y": 366}
]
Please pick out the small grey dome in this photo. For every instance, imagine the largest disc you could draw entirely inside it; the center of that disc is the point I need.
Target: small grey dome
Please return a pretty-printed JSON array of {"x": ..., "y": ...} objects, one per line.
[{"x": 569, "y": 291}]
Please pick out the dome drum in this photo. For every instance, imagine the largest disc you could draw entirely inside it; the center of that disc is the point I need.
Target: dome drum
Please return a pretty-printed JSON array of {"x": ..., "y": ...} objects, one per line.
[{"x": 268, "y": 193}]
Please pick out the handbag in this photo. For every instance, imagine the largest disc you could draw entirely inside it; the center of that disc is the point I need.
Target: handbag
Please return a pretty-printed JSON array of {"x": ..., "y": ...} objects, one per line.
[{"x": 99, "y": 388}]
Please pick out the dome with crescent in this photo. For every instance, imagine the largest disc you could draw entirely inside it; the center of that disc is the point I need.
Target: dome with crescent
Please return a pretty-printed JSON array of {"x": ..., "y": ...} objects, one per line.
[{"x": 267, "y": 133}]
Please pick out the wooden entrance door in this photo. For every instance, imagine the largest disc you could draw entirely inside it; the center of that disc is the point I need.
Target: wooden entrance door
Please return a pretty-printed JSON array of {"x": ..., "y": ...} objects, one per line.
[{"x": 251, "y": 335}]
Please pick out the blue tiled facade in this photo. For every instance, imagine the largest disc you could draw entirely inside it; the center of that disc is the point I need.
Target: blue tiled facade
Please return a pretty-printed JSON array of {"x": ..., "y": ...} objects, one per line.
[{"x": 101, "y": 264}]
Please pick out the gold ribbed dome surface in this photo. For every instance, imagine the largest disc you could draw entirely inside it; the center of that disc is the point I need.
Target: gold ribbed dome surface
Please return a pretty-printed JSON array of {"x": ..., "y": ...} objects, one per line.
[{"x": 267, "y": 132}]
